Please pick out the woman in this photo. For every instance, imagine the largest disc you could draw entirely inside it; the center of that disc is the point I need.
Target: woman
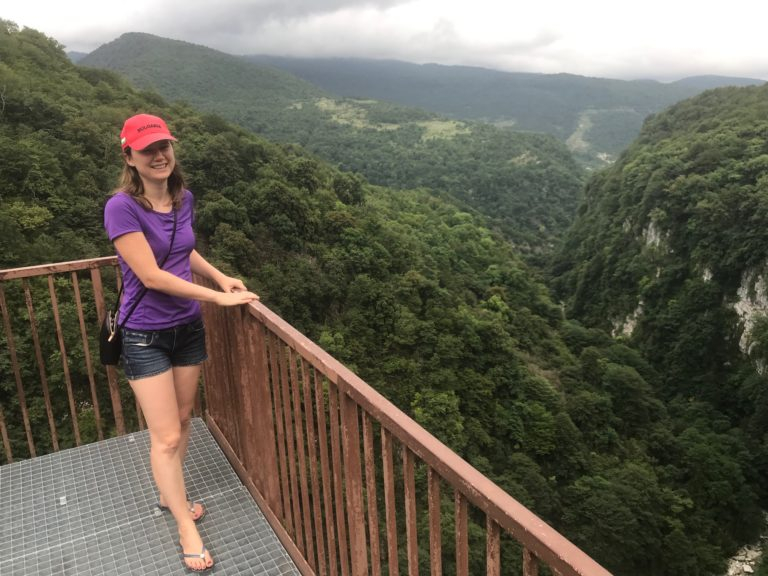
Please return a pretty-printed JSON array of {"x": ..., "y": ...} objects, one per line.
[{"x": 164, "y": 337}]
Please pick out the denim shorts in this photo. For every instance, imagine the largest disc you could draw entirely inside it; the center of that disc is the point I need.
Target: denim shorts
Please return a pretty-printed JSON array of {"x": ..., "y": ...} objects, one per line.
[{"x": 151, "y": 352}]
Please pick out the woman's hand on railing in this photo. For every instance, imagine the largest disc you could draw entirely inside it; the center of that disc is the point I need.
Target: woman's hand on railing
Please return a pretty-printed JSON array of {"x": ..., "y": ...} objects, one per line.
[
  {"x": 234, "y": 292},
  {"x": 235, "y": 298}
]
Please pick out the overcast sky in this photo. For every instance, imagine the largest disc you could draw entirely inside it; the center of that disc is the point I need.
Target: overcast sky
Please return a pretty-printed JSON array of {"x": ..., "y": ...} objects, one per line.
[{"x": 664, "y": 40}]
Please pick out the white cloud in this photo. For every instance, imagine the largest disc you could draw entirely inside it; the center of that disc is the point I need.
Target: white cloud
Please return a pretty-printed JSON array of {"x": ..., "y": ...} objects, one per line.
[{"x": 654, "y": 39}]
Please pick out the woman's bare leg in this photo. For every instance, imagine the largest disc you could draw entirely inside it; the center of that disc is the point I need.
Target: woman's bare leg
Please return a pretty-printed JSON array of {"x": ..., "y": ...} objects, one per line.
[
  {"x": 186, "y": 380},
  {"x": 157, "y": 397}
]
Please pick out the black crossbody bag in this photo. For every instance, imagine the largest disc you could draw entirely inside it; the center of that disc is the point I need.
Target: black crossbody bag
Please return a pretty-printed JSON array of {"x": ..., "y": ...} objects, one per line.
[{"x": 110, "y": 338}]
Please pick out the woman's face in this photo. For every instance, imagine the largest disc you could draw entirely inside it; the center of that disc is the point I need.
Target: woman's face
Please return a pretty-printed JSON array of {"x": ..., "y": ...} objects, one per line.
[{"x": 154, "y": 163}]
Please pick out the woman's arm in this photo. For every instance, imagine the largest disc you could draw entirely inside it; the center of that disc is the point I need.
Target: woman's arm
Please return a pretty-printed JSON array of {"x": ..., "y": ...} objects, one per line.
[{"x": 135, "y": 250}]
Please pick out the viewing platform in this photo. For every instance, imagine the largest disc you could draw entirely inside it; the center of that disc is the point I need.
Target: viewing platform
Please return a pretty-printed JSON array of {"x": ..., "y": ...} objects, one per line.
[
  {"x": 305, "y": 469},
  {"x": 91, "y": 511}
]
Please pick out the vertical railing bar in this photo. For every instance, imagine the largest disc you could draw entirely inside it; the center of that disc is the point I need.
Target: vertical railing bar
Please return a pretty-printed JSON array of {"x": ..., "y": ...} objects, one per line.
[
  {"x": 530, "y": 563},
  {"x": 114, "y": 389},
  {"x": 17, "y": 372},
  {"x": 387, "y": 457},
  {"x": 372, "y": 497},
  {"x": 64, "y": 361},
  {"x": 435, "y": 529},
  {"x": 197, "y": 409},
  {"x": 301, "y": 460},
  {"x": 411, "y": 536},
  {"x": 327, "y": 478},
  {"x": 139, "y": 415},
  {"x": 353, "y": 472},
  {"x": 291, "y": 446},
  {"x": 313, "y": 473},
  {"x": 462, "y": 536},
  {"x": 6, "y": 439},
  {"x": 260, "y": 444},
  {"x": 41, "y": 365},
  {"x": 280, "y": 432},
  {"x": 341, "y": 526},
  {"x": 87, "y": 355},
  {"x": 492, "y": 547}
]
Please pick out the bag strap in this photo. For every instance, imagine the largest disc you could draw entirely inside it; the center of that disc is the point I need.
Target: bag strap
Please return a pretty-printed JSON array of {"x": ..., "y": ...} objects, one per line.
[{"x": 143, "y": 292}]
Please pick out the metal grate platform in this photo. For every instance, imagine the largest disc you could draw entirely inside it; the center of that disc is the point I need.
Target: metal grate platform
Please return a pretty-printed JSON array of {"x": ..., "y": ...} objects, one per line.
[{"x": 90, "y": 511}]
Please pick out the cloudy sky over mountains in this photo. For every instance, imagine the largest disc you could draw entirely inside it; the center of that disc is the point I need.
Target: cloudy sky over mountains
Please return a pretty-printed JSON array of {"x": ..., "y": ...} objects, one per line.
[{"x": 657, "y": 39}]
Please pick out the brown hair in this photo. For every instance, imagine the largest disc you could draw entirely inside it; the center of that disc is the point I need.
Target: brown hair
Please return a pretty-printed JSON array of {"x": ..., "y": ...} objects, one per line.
[{"x": 131, "y": 184}]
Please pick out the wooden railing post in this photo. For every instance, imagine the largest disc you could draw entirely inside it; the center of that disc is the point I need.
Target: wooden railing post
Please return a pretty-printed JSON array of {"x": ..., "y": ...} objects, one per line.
[
  {"x": 21, "y": 396},
  {"x": 354, "y": 486},
  {"x": 41, "y": 364},
  {"x": 493, "y": 548},
  {"x": 530, "y": 563},
  {"x": 435, "y": 527},
  {"x": 462, "y": 535},
  {"x": 4, "y": 436}
]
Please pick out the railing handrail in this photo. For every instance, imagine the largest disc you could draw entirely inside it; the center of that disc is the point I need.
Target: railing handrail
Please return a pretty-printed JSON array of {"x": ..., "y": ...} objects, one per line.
[
  {"x": 530, "y": 530},
  {"x": 57, "y": 268}
]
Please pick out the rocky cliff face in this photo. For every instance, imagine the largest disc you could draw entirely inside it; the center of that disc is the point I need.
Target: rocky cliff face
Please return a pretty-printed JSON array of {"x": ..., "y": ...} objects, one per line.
[
  {"x": 752, "y": 303},
  {"x": 746, "y": 561}
]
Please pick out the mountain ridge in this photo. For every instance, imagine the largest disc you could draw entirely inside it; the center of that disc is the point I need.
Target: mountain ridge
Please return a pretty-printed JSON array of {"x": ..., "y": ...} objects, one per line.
[
  {"x": 549, "y": 103},
  {"x": 597, "y": 118}
]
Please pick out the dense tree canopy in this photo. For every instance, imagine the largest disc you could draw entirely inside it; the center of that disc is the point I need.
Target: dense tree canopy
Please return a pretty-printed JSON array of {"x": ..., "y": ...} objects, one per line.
[{"x": 669, "y": 249}]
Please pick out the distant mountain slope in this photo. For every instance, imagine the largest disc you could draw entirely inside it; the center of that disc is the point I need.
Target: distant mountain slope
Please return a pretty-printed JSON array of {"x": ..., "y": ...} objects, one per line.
[
  {"x": 598, "y": 117},
  {"x": 526, "y": 184},
  {"x": 710, "y": 81},
  {"x": 198, "y": 74},
  {"x": 75, "y": 56}
]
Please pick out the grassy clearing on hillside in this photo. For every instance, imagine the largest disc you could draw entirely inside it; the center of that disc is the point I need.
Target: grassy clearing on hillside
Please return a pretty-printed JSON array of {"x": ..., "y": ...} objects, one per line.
[
  {"x": 351, "y": 114},
  {"x": 446, "y": 129}
]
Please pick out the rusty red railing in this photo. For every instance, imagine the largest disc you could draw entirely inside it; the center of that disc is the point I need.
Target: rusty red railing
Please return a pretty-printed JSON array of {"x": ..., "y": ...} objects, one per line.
[
  {"x": 38, "y": 305},
  {"x": 350, "y": 484}
]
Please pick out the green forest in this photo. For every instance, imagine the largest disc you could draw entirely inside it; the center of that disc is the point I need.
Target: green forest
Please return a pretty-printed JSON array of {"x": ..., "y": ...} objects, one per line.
[{"x": 645, "y": 448}]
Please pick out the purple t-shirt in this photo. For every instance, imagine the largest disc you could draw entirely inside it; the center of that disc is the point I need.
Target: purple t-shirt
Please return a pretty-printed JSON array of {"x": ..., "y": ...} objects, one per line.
[{"x": 157, "y": 310}]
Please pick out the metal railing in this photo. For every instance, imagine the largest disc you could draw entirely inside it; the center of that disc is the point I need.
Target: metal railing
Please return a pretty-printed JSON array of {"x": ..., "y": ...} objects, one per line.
[
  {"x": 350, "y": 484},
  {"x": 46, "y": 357}
]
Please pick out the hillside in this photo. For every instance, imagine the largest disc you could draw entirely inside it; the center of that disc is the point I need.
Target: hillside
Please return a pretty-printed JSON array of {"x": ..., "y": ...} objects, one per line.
[
  {"x": 527, "y": 185},
  {"x": 670, "y": 252},
  {"x": 415, "y": 293},
  {"x": 597, "y": 117}
]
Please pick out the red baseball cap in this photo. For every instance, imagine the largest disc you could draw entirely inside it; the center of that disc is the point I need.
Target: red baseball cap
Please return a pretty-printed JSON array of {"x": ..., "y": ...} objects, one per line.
[{"x": 142, "y": 130}]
